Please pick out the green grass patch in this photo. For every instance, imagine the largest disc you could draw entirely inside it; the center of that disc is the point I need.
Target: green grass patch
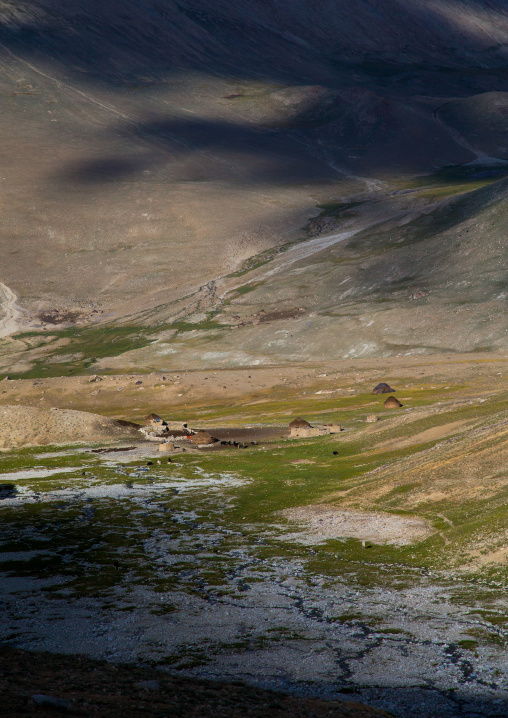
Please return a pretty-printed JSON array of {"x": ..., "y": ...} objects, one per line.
[{"x": 88, "y": 343}]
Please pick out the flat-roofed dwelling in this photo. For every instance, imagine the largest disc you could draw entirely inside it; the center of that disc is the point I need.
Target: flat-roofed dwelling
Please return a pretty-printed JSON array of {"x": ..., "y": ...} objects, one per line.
[{"x": 301, "y": 429}]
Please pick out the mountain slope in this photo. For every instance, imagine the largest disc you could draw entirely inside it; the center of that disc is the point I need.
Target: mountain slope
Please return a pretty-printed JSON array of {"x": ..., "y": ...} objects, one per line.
[
  {"x": 436, "y": 282},
  {"x": 151, "y": 149}
]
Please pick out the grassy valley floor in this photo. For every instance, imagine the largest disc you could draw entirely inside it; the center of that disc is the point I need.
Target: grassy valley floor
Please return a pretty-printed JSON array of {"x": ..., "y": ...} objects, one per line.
[{"x": 367, "y": 564}]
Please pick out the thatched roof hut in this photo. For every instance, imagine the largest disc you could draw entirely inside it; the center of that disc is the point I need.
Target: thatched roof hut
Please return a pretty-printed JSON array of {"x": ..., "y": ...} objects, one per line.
[
  {"x": 300, "y": 423},
  {"x": 202, "y": 437},
  {"x": 392, "y": 403},
  {"x": 383, "y": 388}
]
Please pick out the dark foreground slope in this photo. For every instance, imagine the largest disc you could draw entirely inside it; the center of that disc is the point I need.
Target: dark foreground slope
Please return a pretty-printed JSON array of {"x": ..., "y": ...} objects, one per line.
[{"x": 81, "y": 686}]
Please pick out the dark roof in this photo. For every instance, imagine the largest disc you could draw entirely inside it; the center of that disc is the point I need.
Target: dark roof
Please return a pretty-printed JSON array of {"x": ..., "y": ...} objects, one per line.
[
  {"x": 300, "y": 423},
  {"x": 392, "y": 403},
  {"x": 383, "y": 388}
]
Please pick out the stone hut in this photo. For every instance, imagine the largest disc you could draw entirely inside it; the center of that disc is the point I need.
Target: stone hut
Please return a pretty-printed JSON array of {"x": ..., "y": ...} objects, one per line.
[
  {"x": 153, "y": 420},
  {"x": 154, "y": 427},
  {"x": 383, "y": 388},
  {"x": 301, "y": 429},
  {"x": 392, "y": 403},
  {"x": 176, "y": 425},
  {"x": 333, "y": 428}
]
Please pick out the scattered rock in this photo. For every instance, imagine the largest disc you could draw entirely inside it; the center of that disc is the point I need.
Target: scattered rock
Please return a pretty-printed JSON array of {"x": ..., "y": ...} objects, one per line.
[
  {"x": 418, "y": 295},
  {"x": 57, "y": 316},
  {"x": 371, "y": 418},
  {"x": 383, "y": 388}
]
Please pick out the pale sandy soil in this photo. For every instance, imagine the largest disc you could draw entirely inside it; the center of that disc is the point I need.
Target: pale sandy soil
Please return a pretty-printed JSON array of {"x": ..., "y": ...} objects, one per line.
[
  {"x": 176, "y": 392},
  {"x": 9, "y": 323},
  {"x": 322, "y": 522},
  {"x": 27, "y": 426}
]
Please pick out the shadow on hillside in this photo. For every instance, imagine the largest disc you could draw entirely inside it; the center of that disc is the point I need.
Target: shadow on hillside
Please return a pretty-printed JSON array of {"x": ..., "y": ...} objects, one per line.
[
  {"x": 148, "y": 45},
  {"x": 414, "y": 256},
  {"x": 224, "y": 151},
  {"x": 117, "y": 41}
]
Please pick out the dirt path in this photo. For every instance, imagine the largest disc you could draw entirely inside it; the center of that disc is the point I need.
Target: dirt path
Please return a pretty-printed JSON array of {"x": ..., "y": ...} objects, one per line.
[{"x": 9, "y": 322}]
